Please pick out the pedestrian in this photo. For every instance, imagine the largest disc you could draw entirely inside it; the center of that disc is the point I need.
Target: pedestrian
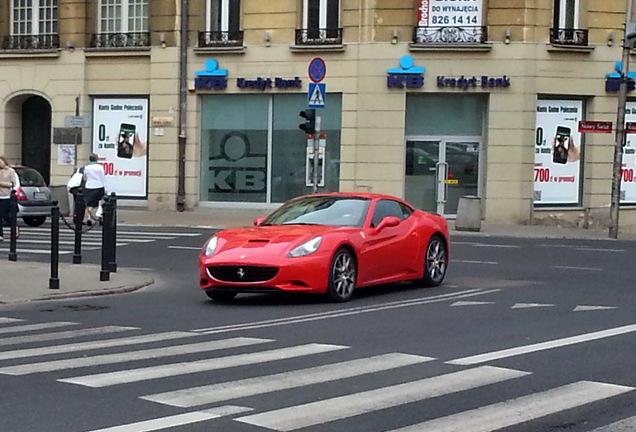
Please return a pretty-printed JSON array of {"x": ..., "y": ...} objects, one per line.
[
  {"x": 8, "y": 181},
  {"x": 94, "y": 187}
]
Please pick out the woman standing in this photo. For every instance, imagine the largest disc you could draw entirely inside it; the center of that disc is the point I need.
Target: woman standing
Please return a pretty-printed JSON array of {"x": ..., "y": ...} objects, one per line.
[
  {"x": 8, "y": 180},
  {"x": 95, "y": 186}
]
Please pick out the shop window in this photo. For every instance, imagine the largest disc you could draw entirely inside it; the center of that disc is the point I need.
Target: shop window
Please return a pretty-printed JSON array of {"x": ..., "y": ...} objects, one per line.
[
  {"x": 253, "y": 151},
  {"x": 33, "y": 25},
  {"x": 450, "y": 23},
  {"x": 222, "y": 24},
  {"x": 565, "y": 30},
  {"x": 122, "y": 24},
  {"x": 320, "y": 23}
]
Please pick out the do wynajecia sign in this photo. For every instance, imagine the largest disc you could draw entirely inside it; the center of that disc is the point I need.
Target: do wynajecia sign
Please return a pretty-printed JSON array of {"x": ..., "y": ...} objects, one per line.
[
  {"x": 120, "y": 138},
  {"x": 557, "y": 166}
]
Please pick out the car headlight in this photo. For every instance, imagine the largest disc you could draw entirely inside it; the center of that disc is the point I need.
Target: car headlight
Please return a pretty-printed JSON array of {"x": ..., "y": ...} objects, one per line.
[
  {"x": 307, "y": 248},
  {"x": 210, "y": 246}
]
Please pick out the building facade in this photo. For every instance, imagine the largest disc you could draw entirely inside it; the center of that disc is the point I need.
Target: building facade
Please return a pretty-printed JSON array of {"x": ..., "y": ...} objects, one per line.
[{"x": 429, "y": 100}]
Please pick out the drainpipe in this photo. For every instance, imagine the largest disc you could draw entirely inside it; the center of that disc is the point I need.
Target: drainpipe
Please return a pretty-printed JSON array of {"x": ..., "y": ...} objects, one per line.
[{"x": 183, "y": 105}]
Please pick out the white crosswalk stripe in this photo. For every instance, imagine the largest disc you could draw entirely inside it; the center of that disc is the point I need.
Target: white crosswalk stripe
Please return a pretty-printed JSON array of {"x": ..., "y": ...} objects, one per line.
[
  {"x": 129, "y": 356},
  {"x": 37, "y": 240},
  {"x": 523, "y": 409},
  {"x": 163, "y": 371},
  {"x": 317, "y": 408}
]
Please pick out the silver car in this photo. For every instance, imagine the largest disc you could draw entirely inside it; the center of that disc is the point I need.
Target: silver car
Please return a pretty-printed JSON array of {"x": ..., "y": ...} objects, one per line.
[{"x": 34, "y": 197}]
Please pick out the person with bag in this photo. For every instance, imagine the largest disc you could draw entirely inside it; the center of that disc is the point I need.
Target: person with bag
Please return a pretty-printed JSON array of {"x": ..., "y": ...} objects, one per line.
[
  {"x": 94, "y": 187},
  {"x": 8, "y": 181},
  {"x": 75, "y": 187}
]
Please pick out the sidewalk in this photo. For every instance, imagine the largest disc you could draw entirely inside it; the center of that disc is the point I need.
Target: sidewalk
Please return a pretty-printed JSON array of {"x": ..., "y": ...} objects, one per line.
[{"x": 28, "y": 281}]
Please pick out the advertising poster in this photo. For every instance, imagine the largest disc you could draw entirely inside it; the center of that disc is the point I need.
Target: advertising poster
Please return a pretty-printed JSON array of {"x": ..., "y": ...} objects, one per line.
[
  {"x": 441, "y": 13},
  {"x": 557, "y": 165},
  {"x": 120, "y": 138},
  {"x": 628, "y": 182}
]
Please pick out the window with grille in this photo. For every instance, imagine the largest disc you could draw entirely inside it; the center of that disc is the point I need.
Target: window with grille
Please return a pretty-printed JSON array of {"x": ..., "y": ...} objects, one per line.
[
  {"x": 566, "y": 14},
  {"x": 123, "y": 16},
  {"x": 33, "y": 17},
  {"x": 321, "y": 21},
  {"x": 223, "y": 15}
]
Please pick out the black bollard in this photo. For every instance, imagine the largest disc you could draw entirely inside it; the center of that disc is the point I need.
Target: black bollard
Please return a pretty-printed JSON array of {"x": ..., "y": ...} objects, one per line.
[
  {"x": 107, "y": 228},
  {"x": 54, "y": 281},
  {"x": 112, "y": 262},
  {"x": 13, "y": 226},
  {"x": 78, "y": 216}
]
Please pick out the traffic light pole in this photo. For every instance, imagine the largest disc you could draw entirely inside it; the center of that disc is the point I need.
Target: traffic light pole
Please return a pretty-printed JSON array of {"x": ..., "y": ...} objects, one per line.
[{"x": 316, "y": 153}]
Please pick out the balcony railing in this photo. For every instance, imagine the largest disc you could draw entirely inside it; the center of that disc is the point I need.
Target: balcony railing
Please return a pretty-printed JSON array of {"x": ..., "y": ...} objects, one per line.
[
  {"x": 31, "y": 42},
  {"x": 570, "y": 37},
  {"x": 120, "y": 40},
  {"x": 319, "y": 36},
  {"x": 219, "y": 39},
  {"x": 450, "y": 35}
]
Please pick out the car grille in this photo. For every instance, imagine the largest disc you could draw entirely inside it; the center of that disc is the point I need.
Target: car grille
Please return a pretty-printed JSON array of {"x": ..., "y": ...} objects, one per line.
[{"x": 232, "y": 273}]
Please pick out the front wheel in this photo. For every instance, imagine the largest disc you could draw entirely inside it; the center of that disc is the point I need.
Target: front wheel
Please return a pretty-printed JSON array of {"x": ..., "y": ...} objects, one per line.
[
  {"x": 34, "y": 221},
  {"x": 342, "y": 276},
  {"x": 435, "y": 263}
]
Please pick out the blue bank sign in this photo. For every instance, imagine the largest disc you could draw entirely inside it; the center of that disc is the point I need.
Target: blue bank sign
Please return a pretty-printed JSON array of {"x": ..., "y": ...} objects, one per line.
[
  {"x": 405, "y": 76},
  {"x": 214, "y": 78}
]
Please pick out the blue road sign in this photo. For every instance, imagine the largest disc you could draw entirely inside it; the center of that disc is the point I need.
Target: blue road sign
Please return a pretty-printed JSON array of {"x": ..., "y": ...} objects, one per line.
[
  {"x": 316, "y": 95},
  {"x": 317, "y": 70}
]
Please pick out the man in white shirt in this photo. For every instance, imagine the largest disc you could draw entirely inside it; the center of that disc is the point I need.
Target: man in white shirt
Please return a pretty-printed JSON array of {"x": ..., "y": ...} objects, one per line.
[{"x": 94, "y": 187}]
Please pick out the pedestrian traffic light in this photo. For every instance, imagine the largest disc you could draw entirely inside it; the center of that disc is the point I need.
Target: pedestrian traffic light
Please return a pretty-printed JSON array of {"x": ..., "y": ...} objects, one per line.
[{"x": 309, "y": 126}]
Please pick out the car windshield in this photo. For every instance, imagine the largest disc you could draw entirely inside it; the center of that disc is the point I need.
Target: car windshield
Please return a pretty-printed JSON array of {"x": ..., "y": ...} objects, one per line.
[
  {"x": 29, "y": 177},
  {"x": 321, "y": 210}
]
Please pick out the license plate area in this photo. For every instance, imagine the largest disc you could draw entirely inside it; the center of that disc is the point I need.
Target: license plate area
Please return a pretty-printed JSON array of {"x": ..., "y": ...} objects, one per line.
[{"x": 39, "y": 195}]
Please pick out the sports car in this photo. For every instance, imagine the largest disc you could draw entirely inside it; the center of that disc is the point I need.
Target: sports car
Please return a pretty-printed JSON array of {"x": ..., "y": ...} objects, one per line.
[{"x": 328, "y": 244}]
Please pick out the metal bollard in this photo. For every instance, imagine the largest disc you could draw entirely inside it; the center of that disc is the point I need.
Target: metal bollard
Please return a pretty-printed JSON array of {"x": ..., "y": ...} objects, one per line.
[
  {"x": 112, "y": 263},
  {"x": 54, "y": 281},
  {"x": 78, "y": 216},
  {"x": 107, "y": 229},
  {"x": 13, "y": 226}
]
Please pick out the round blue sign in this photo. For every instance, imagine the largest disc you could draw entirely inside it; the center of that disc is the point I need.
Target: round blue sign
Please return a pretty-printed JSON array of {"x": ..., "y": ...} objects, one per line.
[{"x": 317, "y": 70}]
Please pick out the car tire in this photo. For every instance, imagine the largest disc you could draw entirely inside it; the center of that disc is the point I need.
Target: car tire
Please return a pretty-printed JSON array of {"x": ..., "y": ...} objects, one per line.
[
  {"x": 343, "y": 271},
  {"x": 34, "y": 221},
  {"x": 220, "y": 296},
  {"x": 435, "y": 263}
]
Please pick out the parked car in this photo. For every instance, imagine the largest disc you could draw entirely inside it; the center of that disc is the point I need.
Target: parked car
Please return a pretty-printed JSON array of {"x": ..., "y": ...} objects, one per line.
[
  {"x": 34, "y": 196},
  {"x": 330, "y": 244}
]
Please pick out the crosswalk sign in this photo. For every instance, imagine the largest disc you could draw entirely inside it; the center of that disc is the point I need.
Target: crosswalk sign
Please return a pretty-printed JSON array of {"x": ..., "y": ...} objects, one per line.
[{"x": 316, "y": 95}]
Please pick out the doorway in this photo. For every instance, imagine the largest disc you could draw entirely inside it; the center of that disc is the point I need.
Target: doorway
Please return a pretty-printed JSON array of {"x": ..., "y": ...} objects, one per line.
[
  {"x": 441, "y": 170},
  {"x": 36, "y": 135}
]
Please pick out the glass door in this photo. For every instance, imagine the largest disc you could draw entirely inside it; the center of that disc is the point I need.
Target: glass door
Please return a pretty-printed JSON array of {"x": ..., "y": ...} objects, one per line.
[{"x": 439, "y": 171}]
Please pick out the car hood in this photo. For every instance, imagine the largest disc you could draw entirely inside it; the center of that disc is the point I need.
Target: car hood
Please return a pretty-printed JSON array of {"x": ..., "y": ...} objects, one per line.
[{"x": 269, "y": 240}]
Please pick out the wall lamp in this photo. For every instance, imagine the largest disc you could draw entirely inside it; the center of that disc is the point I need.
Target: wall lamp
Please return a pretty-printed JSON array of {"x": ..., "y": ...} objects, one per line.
[
  {"x": 507, "y": 36},
  {"x": 394, "y": 36},
  {"x": 610, "y": 38},
  {"x": 267, "y": 38},
  {"x": 162, "y": 39},
  {"x": 70, "y": 45}
]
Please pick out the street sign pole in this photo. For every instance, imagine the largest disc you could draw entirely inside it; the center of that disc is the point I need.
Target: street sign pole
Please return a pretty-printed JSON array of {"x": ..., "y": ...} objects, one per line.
[{"x": 316, "y": 151}]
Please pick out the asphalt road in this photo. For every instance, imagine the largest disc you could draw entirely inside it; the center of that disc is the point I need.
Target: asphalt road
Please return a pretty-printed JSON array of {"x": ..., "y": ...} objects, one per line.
[{"x": 525, "y": 335}]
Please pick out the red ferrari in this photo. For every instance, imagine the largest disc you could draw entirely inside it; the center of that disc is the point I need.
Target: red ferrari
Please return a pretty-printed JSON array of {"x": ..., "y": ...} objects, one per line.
[{"x": 329, "y": 244}]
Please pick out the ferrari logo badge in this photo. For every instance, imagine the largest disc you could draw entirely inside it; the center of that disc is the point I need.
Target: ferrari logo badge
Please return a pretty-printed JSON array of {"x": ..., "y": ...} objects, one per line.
[{"x": 241, "y": 273}]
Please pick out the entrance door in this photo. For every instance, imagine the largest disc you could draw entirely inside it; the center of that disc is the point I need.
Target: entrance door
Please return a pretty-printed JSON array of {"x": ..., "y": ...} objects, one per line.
[
  {"x": 440, "y": 170},
  {"x": 36, "y": 135}
]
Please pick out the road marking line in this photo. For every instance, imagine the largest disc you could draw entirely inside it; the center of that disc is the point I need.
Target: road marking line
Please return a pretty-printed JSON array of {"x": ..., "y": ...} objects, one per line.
[
  {"x": 344, "y": 312},
  {"x": 476, "y": 262},
  {"x": 85, "y": 346},
  {"x": 138, "y": 233},
  {"x": 175, "y": 369},
  {"x": 314, "y": 413},
  {"x": 63, "y": 335},
  {"x": 214, "y": 393},
  {"x": 470, "y": 303},
  {"x": 4, "y": 320},
  {"x": 522, "y": 409},
  {"x": 578, "y": 268},
  {"x": 33, "y": 327},
  {"x": 628, "y": 424},
  {"x": 197, "y": 248},
  {"x": 583, "y": 308},
  {"x": 557, "y": 343},
  {"x": 21, "y": 250},
  {"x": 129, "y": 356},
  {"x": 176, "y": 420},
  {"x": 530, "y": 305}
]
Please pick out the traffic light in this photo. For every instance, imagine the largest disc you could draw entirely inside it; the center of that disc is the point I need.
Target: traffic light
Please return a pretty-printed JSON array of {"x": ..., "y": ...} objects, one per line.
[{"x": 309, "y": 126}]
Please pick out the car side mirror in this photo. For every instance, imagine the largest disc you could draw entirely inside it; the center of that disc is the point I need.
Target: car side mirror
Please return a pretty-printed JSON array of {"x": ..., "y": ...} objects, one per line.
[
  {"x": 387, "y": 222},
  {"x": 258, "y": 221}
]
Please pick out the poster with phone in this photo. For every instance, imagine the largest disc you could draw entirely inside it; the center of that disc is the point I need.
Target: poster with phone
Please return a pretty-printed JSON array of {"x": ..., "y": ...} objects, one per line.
[
  {"x": 557, "y": 147},
  {"x": 628, "y": 180},
  {"x": 120, "y": 138}
]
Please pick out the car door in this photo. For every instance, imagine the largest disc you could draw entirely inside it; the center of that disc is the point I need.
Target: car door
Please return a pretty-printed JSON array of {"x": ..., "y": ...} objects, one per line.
[{"x": 385, "y": 255}]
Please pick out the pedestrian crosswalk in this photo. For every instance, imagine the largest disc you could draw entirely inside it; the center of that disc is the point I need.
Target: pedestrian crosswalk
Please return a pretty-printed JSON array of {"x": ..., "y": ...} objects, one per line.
[
  {"x": 94, "y": 358},
  {"x": 38, "y": 240}
]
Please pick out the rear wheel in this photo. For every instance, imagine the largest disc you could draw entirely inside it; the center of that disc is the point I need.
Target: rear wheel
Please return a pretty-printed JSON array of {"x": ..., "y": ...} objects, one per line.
[
  {"x": 342, "y": 276},
  {"x": 435, "y": 263},
  {"x": 34, "y": 221},
  {"x": 220, "y": 296}
]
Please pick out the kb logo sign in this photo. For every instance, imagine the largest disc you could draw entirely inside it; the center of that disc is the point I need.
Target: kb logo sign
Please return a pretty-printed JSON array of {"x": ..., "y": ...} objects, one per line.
[{"x": 236, "y": 168}]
